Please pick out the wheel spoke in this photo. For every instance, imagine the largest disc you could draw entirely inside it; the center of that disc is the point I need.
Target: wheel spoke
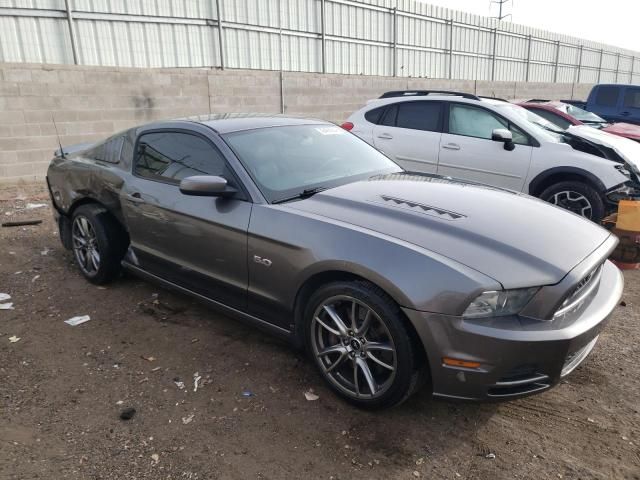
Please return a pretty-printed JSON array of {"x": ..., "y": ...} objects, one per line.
[
  {"x": 333, "y": 349},
  {"x": 332, "y": 330},
  {"x": 83, "y": 226},
  {"x": 355, "y": 378},
  {"x": 367, "y": 375},
  {"x": 354, "y": 316},
  {"x": 365, "y": 323},
  {"x": 336, "y": 319},
  {"x": 380, "y": 362},
  {"x": 95, "y": 260},
  {"x": 387, "y": 347},
  {"x": 78, "y": 239},
  {"x": 340, "y": 359}
]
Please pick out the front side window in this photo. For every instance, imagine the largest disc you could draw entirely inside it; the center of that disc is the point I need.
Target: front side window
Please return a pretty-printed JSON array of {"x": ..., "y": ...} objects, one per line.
[
  {"x": 285, "y": 161},
  {"x": 607, "y": 96},
  {"x": 425, "y": 116},
  {"x": 557, "y": 120},
  {"x": 632, "y": 98},
  {"x": 172, "y": 156},
  {"x": 480, "y": 123}
]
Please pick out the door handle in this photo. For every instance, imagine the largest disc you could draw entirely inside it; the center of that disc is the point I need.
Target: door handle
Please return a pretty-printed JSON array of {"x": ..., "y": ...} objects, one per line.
[
  {"x": 385, "y": 136},
  {"x": 134, "y": 198},
  {"x": 451, "y": 146}
]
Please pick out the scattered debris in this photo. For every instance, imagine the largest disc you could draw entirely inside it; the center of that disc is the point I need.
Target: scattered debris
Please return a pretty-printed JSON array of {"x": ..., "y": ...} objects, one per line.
[
  {"x": 623, "y": 303},
  {"x": 6, "y": 306},
  {"x": 14, "y": 339},
  {"x": 156, "y": 458},
  {"x": 148, "y": 359},
  {"x": 420, "y": 461},
  {"x": 45, "y": 252},
  {"x": 32, "y": 206},
  {"x": 22, "y": 223},
  {"x": 127, "y": 413},
  {"x": 194, "y": 340},
  {"x": 156, "y": 369},
  {"x": 590, "y": 420},
  {"x": 35, "y": 278},
  {"x": 310, "y": 396},
  {"x": 4, "y": 296},
  {"x": 188, "y": 420},
  {"x": 196, "y": 380},
  {"x": 179, "y": 383},
  {"x": 119, "y": 402},
  {"x": 77, "y": 320},
  {"x": 416, "y": 473},
  {"x": 247, "y": 393},
  {"x": 490, "y": 456}
]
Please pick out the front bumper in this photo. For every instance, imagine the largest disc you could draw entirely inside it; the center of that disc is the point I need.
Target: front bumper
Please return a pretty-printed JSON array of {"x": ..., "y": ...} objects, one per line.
[{"x": 518, "y": 356}]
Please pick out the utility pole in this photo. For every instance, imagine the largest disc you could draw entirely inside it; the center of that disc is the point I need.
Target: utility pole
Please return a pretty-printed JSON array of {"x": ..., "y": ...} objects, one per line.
[{"x": 500, "y": 4}]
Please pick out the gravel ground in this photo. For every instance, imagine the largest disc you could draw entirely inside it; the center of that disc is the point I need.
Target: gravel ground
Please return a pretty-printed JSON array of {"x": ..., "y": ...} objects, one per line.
[{"x": 62, "y": 389}]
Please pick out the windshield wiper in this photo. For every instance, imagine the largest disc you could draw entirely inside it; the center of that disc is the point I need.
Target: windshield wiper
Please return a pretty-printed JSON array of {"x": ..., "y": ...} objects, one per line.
[{"x": 306, "y": 193}]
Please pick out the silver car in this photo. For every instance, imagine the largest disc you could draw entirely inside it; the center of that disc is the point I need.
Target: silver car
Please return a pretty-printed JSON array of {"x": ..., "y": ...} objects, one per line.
[{"x": 388, "y": 279}]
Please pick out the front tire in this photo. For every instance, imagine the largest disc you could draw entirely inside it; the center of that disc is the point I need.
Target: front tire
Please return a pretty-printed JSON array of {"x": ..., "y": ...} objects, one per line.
[
  {"x": 358, "y": 339},
  {"x": 98, "y": 243},
  {"x": 577, "y": 197}
]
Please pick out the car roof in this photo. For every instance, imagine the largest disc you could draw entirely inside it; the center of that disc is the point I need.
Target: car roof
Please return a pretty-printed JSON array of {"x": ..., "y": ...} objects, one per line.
[
  {"x": 377, "y": 102},
  {"x": 235, "y": 122}
]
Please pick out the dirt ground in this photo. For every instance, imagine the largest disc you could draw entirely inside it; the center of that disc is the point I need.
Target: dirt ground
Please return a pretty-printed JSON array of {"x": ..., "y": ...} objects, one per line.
[{"x": 62, "y": 389}]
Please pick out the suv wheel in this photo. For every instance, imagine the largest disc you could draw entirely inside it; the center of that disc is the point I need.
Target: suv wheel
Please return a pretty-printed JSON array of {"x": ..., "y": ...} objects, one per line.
[
  {"x": 98, "y": 243},
  {"x": 358, "y": 339},
  {"x": 577, "y": 197}
]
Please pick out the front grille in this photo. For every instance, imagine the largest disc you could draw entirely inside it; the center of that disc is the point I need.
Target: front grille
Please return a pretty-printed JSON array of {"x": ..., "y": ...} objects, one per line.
[
  {"x": 581, "y": 293},
  {"x": 520, "y": 381}
]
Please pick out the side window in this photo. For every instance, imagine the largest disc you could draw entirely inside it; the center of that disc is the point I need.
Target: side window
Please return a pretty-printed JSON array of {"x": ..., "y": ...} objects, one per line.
[
  {"x": 108, "y": 151},
  {"x": 374, "y": 115},
  {"x": 480, "y": 123},
  {"x": 607, "y": 96},
  {"x": 172, "y": 156},
  {"x": 389, "y": 117},
  {"x": 632, "y": 98},
  {"x": 557, "y": 120},
  {"x": 426, "y": 116}
]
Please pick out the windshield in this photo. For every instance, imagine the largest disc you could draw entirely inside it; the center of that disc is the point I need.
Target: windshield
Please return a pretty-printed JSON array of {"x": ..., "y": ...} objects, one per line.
[
  {"x": 287, "y": 161},
  {"x": 583, "y": 115},
  {"x": 535, "y": 124}
]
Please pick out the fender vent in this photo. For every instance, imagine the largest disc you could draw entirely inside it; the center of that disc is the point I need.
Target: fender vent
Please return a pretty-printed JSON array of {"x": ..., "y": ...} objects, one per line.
[{"x": 428, "y": 209}]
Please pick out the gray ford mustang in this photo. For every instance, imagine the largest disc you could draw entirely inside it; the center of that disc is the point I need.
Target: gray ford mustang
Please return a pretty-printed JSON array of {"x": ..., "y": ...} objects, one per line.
[{"x": 389, "y": 279}]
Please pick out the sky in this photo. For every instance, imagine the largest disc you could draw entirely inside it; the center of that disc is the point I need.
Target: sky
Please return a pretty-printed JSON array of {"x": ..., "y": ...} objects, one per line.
[{"x": 614, "y": 22}]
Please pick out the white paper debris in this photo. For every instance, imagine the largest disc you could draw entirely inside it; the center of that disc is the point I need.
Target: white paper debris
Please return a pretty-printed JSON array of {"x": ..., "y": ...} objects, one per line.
[
  {"x": 31, "y": 206},
  {"x": 179, "y": 384},
  {"x": 187, "y": 420},
  {"x": 4, "y": 296},
  {"x": 311, "y": 396},
  {"x": 196, "y": 380},
  {"x": 156, "y": 458},
  {"x": 35, "y": 278},
  {"x": 6, "y": 306},
  {"x": 45, "y": 251},
  {"x": 14, "y": 339},
  {"x": 77, "y": 320}
]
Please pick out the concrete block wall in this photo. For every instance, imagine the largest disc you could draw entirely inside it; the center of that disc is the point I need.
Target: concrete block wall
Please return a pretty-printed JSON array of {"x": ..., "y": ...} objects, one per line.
[{"x": 90, "y": 103}]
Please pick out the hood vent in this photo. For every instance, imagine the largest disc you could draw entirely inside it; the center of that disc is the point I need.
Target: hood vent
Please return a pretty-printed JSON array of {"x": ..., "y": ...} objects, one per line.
[{"x": 427, "y": 209}]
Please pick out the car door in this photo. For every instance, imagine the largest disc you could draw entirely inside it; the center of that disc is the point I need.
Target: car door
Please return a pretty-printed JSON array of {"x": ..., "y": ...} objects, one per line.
[
  {"x": 409, "y": 132},
  {"x": 631, "y": 105},
  {"x": 197, "y": 242},
  {"x": 607, "y": 103},
  {"x": 467, "y": 151}
]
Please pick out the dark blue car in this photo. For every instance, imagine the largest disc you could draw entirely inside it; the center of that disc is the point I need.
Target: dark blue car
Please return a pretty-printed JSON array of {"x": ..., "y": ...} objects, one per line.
[{"x": 615, "y": 102}]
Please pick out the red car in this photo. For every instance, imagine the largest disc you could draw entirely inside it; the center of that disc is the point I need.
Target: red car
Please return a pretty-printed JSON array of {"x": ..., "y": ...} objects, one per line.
[{"x": 564, "y": 115}]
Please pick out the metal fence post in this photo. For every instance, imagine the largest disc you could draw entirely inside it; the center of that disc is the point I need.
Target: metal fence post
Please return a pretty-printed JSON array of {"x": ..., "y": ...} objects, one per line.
[
  {"x": 526, "y": 77},
  {"x": 617, "y": 66},
  {"x": 72, "y": 32},
  {"x": 579, "y": 64},
  {"x": 493, "y": 56},
  {"x": 600, "y": 65},
  {"x": 220, "y": 36},
  {"x": 450, "y": 69},
  {"x": 555, "y": 67},
  {"x": 395, "y": 41},
  {"x": 323, "y": 26},
  {"x": 633, "y": 61}
]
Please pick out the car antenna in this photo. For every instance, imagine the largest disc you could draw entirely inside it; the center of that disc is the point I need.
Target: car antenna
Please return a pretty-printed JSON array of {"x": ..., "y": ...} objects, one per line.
[{"x": 57, "y": 135}]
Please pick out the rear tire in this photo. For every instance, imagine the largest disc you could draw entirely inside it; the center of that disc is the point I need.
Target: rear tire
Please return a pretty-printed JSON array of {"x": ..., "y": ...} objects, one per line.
[
  {"x": 577, "y": 197},
  {"x": 98, "y": 243},
  {"x": 374, "y": 363}
]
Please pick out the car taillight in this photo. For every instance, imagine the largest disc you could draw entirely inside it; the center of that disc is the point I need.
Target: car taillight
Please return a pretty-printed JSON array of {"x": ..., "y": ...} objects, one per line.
[{"x": 347, "y": 126}]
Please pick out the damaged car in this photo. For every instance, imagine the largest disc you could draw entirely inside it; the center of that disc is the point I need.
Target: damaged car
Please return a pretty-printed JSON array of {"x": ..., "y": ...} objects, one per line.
[{"x": 390, "y": 280}]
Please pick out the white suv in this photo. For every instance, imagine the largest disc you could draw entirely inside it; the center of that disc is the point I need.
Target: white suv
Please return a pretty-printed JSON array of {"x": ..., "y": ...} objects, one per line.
[{"x": 494, "y": 142}]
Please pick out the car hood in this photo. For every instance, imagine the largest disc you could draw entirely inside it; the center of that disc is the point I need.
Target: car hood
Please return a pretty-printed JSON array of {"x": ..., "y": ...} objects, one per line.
[
  {"x": 515, "y": 239},
  {"x": 628, "y": 130},
  {"x": 628, "y": 149}
]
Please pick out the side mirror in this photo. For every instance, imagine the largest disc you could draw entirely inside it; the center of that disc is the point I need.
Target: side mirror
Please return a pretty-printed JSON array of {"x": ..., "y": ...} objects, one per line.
[
  {"x": 206, "y": 186},
  {"x": 505, "y": 136}
]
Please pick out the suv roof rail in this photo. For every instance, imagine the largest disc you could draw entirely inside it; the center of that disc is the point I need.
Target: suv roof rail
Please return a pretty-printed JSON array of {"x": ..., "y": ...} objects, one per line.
[
  {"x": 416, "y": 93},
  {"x": 538, "y": 100},
  {"x": 494, "y": 98}
]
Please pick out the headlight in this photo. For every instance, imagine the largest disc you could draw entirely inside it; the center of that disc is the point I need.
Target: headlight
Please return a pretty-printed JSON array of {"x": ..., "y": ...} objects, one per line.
[{"x": 498, "y": 303}]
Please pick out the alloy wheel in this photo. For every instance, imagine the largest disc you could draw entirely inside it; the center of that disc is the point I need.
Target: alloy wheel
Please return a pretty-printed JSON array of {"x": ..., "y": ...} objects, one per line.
[
  {"x": 574, "y": 202},
  {"x": 85, "y": 245},
  {"x": 353, "y": 347}
]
